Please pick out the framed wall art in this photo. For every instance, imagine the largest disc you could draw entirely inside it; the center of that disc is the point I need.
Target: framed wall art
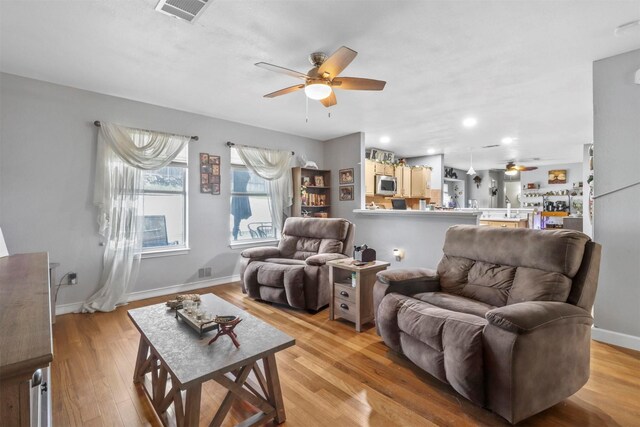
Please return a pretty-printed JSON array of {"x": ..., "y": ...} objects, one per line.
[
  {"x": 346, "y": 176},
  {"x": 558, "y": 176},
  {"x": 209, "y": 173}
]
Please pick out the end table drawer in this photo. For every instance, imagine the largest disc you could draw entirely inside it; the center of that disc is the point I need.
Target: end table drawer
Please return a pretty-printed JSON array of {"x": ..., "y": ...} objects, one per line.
[
  {"x": 345, "y": 292},
  {"x": 345, "y": 309}
]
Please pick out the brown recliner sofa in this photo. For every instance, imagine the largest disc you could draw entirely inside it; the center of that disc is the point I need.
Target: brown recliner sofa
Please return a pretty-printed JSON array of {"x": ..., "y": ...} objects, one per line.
[
  {"x": 505, "y": 319},
  {"x": 295, "y": 273}
]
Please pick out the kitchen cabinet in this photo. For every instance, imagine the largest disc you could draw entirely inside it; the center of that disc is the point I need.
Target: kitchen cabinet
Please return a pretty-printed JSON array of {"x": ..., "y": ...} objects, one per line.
[
  {"x": 522, "y": 223},
  {"x": 420, "y": 182},
  {"x": 383, "y": 169},
  {"x": 369, "y": 177},
  {"x": 403, "y": 180}
]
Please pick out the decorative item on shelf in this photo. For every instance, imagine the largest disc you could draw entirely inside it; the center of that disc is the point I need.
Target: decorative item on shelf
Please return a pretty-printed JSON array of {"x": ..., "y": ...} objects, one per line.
[
  {"x": 311, "y": 165},
  {"x": 532, "y": 186},
  {"x": 346, "y": 193},
  {"x": 346, "y": 176},
  {"x": 558, "y": 176},
  {"x": 381, "y": 155},
  {"x": 226, "y": 325},
  {"x": 477, "y": 179},
  {"x": 209, "y": 173},
  {"x": 449, "y": 173},
  {"x": 321, "y": 215},
  {"x": 318, "y": 180},
  {"x": 363, "y": 253},
  {"x": 306, "y": 181}
]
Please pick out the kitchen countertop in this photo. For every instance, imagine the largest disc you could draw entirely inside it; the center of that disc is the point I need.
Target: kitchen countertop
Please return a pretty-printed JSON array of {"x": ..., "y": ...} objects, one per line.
[
  {"x": 398, "y": 212},
  {"x": 503, "y": 219}
]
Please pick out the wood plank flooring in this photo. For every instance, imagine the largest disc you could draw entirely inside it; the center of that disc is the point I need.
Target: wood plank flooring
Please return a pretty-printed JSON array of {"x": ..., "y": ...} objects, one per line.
[{"x": 332, "y": 377}]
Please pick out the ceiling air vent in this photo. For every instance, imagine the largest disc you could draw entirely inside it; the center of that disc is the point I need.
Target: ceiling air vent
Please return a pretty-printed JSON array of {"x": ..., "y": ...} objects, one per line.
[{"x": 188, "y": 10}]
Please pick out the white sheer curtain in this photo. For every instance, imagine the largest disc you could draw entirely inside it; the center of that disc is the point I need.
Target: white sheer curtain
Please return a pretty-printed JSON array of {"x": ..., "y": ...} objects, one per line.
[
  {"x": 274, "y": 167},
  {"x": 123, "y": 153}
]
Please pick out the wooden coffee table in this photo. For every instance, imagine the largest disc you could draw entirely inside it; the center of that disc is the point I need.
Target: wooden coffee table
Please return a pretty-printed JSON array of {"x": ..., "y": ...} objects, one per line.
[{"x": 173, "y": 362}]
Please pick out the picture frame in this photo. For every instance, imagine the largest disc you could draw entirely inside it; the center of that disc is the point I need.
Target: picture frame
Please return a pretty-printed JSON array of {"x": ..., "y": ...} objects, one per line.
[
  {"x": 215, "y": 169},
  {"x": 346, "y": 176},
  {"x": 318, "y": 180},
  {"x": 205, "y": 188},
  {"x": 306, "y": 181},
  {"x": 214, "y": 160},
  {"x": 557, "y": 176},
  {"x": 346, "y": 193},
  {"x": 204, "y": 158},
  {"x": 381, "y": 155},
  {"x": 205, "y": 168},
  {"x": 204, "y": 178},
  {"x": 215, "y": 189}
]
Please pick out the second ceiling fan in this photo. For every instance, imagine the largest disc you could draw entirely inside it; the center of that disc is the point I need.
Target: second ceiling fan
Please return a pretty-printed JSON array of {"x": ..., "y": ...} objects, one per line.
[{"x": 322, "y": 79}]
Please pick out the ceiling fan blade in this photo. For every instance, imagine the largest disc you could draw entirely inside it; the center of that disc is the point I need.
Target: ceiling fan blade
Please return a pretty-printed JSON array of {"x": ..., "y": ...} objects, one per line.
[
  {"x": 281, "y": 70},
  {"x": 337, "y": 62},
  {"x": 284, "y": 91},
  {"x": 356, "y": 83},
  {"x": 329, "y": 100},
  {"x": 529, "y": 168}
]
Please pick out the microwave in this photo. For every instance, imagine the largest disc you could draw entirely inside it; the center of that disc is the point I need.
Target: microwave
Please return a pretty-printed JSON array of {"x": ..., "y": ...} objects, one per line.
[{"x": 386, "y": 185}]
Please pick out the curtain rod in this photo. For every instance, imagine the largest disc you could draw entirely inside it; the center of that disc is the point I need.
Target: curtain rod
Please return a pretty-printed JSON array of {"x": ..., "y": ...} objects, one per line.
[
  {"x": 98, "y": 124},
  {"x": 231, "y": 144}
]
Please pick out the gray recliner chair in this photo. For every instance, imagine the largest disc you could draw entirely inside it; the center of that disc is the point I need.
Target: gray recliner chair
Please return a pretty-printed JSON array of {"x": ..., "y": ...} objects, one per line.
[
  {"x": 505, "y": 319},
  {"x": 295, "y": 273}
]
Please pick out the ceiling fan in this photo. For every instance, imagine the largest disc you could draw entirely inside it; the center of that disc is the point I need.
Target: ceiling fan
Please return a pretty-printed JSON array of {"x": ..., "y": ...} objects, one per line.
[
  {"x": 322, "y": 79},
  {"x": 513, "y": 169}
]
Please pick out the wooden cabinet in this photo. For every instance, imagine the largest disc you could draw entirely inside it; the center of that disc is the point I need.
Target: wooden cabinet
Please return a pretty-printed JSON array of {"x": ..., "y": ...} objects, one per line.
[
  {"x": 421, "y": 182},
  {"x": 504, "y": 224},
  {"x": 383, "y": 169},
  {"x": 310, "y": 197},
  {"x": 26, "y": 344},
  {"x": 369, "y": 177},
  {"x": 403, "y": 178}
]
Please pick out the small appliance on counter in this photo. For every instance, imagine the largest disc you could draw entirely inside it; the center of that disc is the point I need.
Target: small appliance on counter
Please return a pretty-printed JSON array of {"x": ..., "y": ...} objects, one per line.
[{"x": 363, "y": 254}]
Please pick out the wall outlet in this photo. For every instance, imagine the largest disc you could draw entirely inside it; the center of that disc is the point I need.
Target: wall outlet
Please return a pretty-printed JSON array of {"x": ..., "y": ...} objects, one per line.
[{"x": 72, "y": 279}]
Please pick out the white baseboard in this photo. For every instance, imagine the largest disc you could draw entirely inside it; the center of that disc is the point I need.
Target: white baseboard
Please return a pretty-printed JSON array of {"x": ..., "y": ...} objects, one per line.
[
  {"x": 616, "y": 338},
  {"x": 157, "y": 292}
]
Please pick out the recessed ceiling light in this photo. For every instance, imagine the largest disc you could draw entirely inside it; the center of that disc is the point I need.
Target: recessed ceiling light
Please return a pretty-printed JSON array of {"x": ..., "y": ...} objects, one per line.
[
  {"x": 469, "y": 122},
  {"x": 431, "y": 151},
  {"x": 385, "y": 140},
  {"x": 507, "y": 140}
]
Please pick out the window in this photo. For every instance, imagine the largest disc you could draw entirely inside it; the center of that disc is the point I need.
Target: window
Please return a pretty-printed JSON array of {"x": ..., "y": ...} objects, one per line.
[
  {"x": 165, "y": 206},
  {"x": 250, "y": 218}
]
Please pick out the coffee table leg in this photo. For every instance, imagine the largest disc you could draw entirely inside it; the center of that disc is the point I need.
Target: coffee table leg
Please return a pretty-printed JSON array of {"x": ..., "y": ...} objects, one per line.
[
  {"x": 143, "y": 351},
  {"x": 192, "y": 406},
  {"x": 273, "y": 384}
]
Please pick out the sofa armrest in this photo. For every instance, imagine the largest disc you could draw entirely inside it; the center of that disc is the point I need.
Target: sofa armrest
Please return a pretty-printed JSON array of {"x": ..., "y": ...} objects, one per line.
[
  {"x": 527, "y": 316},
  {"x": 403, "y": 281},
  {"x": 407, "y": 275},
  {"x": 261, "y": 252},
  {"x": 321, "y": 259}
]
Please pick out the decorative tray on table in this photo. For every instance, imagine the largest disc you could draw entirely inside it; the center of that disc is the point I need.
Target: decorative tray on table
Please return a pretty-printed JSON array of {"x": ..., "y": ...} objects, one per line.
[{"x": 200, "y": 325}]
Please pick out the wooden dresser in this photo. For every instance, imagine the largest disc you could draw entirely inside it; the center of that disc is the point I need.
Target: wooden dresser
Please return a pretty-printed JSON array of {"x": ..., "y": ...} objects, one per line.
[{"x": 26, "y": 342}]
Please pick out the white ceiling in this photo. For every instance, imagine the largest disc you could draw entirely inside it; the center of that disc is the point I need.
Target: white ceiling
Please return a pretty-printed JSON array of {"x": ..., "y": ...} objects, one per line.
[{"x": 523, "y": 68}]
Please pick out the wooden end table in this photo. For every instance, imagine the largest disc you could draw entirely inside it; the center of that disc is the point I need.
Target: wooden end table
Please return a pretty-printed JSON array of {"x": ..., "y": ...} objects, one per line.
[
  {"x": 353, "y": 301},
  {"x": 173, "y": 363}
]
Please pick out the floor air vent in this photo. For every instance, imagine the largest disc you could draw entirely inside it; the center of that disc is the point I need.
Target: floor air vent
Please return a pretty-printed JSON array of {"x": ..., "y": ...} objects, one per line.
[{"x": 189, "y": 10}]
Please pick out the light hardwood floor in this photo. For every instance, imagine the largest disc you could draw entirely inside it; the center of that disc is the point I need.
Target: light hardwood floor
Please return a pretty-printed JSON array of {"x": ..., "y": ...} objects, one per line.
[{"x": 332, "y": 377}]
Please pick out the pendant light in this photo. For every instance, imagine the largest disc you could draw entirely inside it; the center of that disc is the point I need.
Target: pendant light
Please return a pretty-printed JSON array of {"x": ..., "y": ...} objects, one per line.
[{"x": 471, "y": 170}]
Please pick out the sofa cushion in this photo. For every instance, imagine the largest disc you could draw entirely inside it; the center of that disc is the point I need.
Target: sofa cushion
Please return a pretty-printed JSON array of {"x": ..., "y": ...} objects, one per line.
[
  {"x": 330, "y": 246},
  {"x": 455, "y": 303},
  {"x": 559, "y": 251},
  {"x": 457, "y": 336},
  {"x": 531, "y": 284},
  {"x": 298, "y": 247},
  {"x": 319, "y": 228},
  {"x": 279, "y": 275},
  {"x": 454, "y": 272},
  {"x": 285, "y": 261},
  {"x": 489, "y": 283}
]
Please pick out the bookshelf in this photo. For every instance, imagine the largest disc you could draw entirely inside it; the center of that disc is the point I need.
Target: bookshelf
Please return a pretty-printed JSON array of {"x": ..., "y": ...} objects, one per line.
[{"x": 311, "y": 192}]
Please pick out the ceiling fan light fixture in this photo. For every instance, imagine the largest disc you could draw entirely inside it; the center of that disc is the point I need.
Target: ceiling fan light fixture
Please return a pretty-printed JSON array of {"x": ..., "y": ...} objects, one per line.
[
  {"x": 511, "y": 172},
  {"x": 317, "y": 90},
  {"x": 471, "y": 171}
]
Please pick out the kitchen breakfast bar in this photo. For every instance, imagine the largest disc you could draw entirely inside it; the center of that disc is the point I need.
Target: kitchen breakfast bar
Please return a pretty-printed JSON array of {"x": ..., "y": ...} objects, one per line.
[{"x": 419, "y": 235}]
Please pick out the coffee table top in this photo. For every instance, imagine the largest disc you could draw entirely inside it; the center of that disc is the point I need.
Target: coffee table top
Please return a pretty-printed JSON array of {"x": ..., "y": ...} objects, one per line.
[{"x": 189, "y": 358}]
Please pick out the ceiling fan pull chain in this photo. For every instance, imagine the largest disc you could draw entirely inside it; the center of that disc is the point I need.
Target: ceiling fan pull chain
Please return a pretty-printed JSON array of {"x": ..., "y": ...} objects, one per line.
[
  {"x": 306, "y": 103},
  {"x": 329, "y": 113}
]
